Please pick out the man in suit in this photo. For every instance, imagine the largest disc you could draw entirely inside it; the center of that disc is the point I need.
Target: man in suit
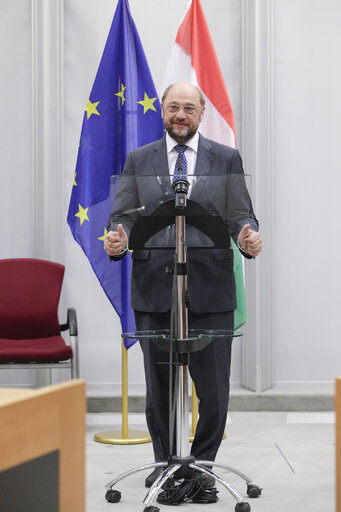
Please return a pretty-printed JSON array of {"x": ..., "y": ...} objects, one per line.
[{"x": 211, "y": 170}]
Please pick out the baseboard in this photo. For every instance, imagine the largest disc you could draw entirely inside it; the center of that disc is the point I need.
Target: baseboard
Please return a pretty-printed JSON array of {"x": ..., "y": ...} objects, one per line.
[
  {"x": 239, "y": 401},
  {"x": 273, "y": 402},
  {"x": 114, "y": 403}
]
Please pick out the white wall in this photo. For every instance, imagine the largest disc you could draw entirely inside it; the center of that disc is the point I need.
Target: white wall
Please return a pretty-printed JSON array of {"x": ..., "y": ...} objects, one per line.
[
  {"x": 157, "y": 31},
  {"x": 306, "y": 178},
  {"x": 307, "y": 185},
  {"x": 16, "y": 191}
]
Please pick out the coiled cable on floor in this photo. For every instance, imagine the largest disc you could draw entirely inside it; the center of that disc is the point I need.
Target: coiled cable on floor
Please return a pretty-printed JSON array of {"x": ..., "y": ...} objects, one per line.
[{"x": 194, "y": 490}]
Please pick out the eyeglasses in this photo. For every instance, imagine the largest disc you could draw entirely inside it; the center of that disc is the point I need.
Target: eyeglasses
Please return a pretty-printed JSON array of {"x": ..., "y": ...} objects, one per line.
[{"x": 188, "y": 109}]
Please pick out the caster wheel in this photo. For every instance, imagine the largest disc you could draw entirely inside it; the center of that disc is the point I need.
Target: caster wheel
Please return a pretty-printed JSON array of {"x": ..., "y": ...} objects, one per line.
[
  {"x": 242, "y": 506},
  {"x": 151, "y": 509},
  {"x": 113, "y": 496},
  {"x": 253, "y": 491}
]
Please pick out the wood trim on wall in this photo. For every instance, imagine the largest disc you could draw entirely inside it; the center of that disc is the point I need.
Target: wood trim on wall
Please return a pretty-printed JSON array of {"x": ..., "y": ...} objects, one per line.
[
  {"x": 47, "y": 129},
  {"x": 257, "y": 143}
]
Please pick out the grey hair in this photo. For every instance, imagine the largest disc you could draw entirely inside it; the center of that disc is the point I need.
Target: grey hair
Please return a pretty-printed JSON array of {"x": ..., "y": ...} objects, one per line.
[{"x": 201, "y": 96}]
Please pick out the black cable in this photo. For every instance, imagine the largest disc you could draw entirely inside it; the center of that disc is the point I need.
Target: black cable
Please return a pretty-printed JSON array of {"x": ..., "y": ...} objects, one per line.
[{"x": 189, "y": 490}]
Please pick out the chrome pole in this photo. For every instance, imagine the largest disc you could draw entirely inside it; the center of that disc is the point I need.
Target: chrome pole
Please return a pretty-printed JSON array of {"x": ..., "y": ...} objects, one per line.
[{"x": 181, "y": 386}]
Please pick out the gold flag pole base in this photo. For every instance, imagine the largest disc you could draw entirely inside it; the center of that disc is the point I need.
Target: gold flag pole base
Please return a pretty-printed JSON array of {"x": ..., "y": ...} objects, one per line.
[
  {"x": 116, "y": 437},
  {"x": 123, "y": 436}
]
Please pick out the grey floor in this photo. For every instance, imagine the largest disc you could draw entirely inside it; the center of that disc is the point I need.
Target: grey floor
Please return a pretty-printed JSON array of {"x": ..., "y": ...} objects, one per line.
[{"x": 290, "y": 455}]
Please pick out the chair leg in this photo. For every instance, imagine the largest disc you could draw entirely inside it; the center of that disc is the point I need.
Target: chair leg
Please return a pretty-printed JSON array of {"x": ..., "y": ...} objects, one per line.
[
  {"x": 75, "y": 358},
  {"x": 42, "y": 377}
]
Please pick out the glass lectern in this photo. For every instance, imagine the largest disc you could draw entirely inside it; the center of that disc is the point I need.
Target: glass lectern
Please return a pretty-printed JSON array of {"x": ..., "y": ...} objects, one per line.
[{"x": 181, "y": 216}]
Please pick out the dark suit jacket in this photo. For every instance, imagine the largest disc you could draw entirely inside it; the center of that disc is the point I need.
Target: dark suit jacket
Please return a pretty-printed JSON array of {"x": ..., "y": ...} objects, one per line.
[{"x": 211, "y": 281}]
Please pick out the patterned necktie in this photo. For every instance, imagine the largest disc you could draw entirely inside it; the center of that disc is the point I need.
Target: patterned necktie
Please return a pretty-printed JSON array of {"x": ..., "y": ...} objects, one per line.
[{"x": 182, "y": 172}]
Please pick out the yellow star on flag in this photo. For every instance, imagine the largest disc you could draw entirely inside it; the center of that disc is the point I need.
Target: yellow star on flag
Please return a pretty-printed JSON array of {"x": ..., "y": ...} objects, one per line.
[
  {"x": 121, "y": 94},
  {"x": 91, "y": 108},
  {"x": 147, "y": 103},
  {"x": 82, "y": 214},
  {"x": 104, "y": 236},
  {"x": 74, "y": 180}
]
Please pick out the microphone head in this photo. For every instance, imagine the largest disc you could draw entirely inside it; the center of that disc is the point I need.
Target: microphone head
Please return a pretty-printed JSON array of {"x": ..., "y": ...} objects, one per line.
[{"x": 180, "y": 184}]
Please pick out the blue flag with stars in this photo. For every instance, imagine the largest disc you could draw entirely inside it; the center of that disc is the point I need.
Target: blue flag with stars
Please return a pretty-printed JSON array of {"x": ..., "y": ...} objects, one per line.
[{"x": 122, "y": 113}]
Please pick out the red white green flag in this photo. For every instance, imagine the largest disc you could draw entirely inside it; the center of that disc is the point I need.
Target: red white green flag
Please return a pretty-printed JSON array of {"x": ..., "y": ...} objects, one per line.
[{"x": 193, "y": 59}]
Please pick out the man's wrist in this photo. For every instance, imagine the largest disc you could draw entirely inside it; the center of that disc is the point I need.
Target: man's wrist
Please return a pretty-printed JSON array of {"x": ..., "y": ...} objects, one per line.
[
  {"x": 123, "y": 250},
  {"x": 240, "y": 247}
]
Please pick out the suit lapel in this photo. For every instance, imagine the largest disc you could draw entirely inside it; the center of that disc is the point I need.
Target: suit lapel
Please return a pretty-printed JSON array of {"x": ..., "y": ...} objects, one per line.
[
  {"x": 203, "y": 166},
  {"x": 160, "y": 165}
]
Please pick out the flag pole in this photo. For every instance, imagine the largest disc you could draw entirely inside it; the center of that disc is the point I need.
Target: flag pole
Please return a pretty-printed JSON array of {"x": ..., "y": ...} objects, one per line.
[
  {"x": 194, "y": 412},
  {"x": 123, "y": 436}
]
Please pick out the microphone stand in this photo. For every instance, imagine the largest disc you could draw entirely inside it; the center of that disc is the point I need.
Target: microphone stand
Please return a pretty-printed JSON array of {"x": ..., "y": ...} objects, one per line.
[
  {"x": 179, "y": 352},
  {"x": 180, "y": 187}
]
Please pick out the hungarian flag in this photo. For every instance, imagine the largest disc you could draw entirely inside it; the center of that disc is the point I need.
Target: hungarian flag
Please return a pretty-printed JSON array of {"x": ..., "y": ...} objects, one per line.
[{"x": 193, "y": 59}]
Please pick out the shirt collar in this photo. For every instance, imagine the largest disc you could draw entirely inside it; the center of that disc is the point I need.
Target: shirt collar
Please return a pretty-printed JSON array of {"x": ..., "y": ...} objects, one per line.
[{"x": 191, "y": 143}]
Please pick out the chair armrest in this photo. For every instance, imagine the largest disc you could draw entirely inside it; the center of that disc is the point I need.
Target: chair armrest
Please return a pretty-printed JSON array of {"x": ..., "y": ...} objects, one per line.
[{"x": 71, "y": 323}]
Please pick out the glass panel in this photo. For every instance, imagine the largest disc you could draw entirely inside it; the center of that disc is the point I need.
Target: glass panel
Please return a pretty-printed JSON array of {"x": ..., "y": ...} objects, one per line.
[{"x": 217, "y": 207}]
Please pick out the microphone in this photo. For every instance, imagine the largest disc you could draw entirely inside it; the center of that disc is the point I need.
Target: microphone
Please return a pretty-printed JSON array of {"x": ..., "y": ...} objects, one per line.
[{"x": 180, "y": 186}]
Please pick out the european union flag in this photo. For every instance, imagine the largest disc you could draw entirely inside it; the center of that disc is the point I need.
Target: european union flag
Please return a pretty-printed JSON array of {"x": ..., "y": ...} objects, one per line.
[{"x": 122, "y": 113}]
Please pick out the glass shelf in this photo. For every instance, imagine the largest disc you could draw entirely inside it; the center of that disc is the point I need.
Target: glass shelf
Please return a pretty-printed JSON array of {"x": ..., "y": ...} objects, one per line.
[
  {"x": 197, "y": 338},
  {"x": 192, "y": 333}
]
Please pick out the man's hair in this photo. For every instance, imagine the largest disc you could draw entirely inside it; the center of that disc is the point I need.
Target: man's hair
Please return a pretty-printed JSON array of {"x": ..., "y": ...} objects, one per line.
[{"x": 201, "y": 96}]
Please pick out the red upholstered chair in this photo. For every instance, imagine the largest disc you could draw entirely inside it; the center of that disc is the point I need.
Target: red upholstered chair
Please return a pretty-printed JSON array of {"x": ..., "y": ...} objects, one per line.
[{"x": 30, "y": 333}]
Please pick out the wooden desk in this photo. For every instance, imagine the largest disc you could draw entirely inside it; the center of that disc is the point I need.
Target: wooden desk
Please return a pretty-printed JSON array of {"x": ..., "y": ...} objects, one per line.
[
  {"x": 338, "y": 443},
  {"x": 43, "y": 430}
]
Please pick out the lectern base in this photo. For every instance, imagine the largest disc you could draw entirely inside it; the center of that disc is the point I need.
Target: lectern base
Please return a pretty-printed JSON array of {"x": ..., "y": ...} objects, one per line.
[
  {"x": 116, "y": 437},
  {"x": 253, "y": 491}
]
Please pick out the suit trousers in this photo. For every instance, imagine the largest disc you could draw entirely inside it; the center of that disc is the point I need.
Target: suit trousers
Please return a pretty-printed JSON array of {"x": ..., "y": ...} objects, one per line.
[{"x": 210, "y": 370}]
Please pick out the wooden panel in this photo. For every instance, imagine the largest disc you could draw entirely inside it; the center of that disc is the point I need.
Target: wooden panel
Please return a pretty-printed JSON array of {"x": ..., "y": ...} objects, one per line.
[
  {"x": 37, "y": 422},
  {"x": 72, "y": 407},
  {"x": 8, "y": 395},
  {"x": 338, "y": 443}
]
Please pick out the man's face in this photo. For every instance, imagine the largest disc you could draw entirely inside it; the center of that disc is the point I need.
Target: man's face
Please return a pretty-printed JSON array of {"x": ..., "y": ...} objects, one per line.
[{"x": 183, "y": 123}]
